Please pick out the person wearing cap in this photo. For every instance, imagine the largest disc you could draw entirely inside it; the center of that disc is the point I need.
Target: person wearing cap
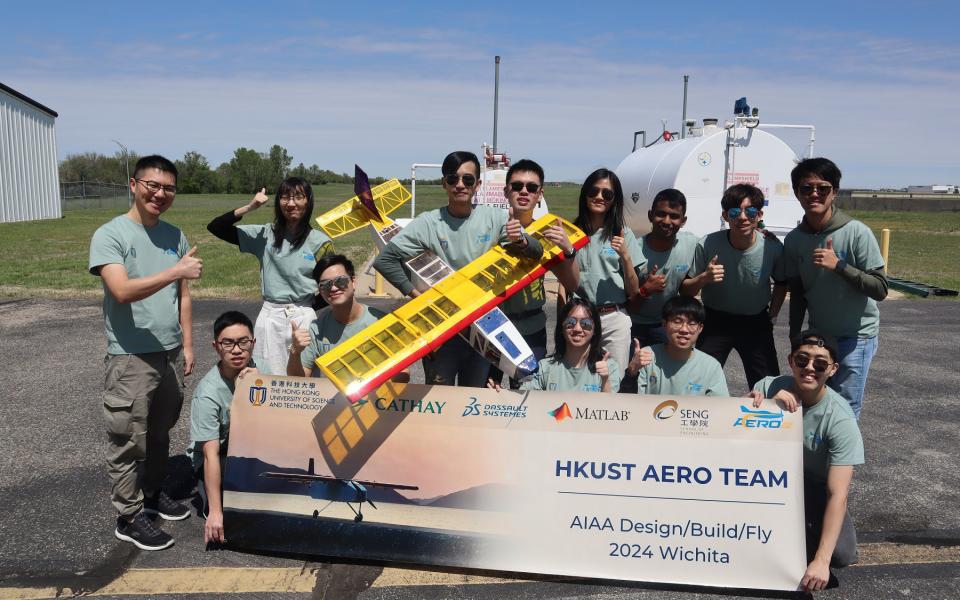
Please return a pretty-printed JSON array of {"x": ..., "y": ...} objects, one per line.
[
  {"x": 836, "y": 273},
  {"x": 732, "y": 270},
  {"x": 832, "y": 446},
  {"x": 457, "y": 233}
]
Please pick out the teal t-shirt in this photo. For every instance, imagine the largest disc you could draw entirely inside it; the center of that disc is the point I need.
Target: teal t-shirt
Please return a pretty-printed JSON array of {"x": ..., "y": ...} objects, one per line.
[
  {"x": 326, "y": 332},
  {"x": 601, "y": 270},
  {"x": 553, "y": 375},
  {"x": 830, "y": 432},
  {"x": 151, "y": 324},
  {"x": 699, "y": 375},
  {"x": 835, "y": 306},
  {"x": 745, "y": 289},
  {"x": 674, "y": 263},
  {"x": 209, "y": 414},
  {"x": 530, "y": 298},
  {"x": 286, "y": 275}
]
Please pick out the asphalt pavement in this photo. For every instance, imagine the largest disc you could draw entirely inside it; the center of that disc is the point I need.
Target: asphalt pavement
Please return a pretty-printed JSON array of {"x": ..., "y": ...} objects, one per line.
[{"x": 57, "y": 523}]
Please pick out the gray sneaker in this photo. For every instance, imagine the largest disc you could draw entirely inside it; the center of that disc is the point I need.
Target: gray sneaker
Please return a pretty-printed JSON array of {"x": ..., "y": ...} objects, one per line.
[
  {"x": 165, "y": 506},
  {"x": 142, "y": 533}
]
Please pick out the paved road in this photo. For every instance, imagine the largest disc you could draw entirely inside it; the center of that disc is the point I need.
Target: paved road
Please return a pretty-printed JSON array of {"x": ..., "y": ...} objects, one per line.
[{"x": 56, "y": 522}]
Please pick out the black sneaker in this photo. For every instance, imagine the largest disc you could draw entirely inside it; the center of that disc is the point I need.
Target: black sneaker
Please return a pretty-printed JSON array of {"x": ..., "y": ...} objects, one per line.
[
  {"x": 142, "y": 533},
  {"x": 166, "y": 507}
]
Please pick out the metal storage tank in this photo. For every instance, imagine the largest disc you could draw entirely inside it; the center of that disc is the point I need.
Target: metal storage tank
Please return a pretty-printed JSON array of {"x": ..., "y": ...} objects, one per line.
[
  {"x": 29, "y": 172},
  {"x": 707, "y": 162}
]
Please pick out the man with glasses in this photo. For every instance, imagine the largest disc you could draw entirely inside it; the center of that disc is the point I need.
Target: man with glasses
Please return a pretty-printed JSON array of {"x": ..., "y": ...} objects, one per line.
[
  {"x": 457, "y": 233},
  {"x": 677, "y": 367},
  {"x": 734, "y": 267},
  {"x": 832, "y": 446},
  {"x": 835, "y": 271},
  {"x": 210, "y": 414},
  {"x": 144, "y": 264}
]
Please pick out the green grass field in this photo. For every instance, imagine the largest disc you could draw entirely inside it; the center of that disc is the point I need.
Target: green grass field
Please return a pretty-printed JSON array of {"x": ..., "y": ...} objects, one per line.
[{"x": 49, "y": 258}]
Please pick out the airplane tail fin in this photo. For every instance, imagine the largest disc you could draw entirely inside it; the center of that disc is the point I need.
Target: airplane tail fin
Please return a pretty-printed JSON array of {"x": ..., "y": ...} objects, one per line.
[{"x": 361, "y": 187}]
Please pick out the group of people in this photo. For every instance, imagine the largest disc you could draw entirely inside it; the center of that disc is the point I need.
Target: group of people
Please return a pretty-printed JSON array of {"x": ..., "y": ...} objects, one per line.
[{"x": 628, "y": 318}]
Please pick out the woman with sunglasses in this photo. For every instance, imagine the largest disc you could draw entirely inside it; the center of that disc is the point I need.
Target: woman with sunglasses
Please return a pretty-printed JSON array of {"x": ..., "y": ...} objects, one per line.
[
  {"x": 288, "y": 249},
  {"x": 832, "y": 447},
  {"x": 579, "y": 363},
  {"x": 608, "y": 278},
  {"x": 457, "y": 233}
]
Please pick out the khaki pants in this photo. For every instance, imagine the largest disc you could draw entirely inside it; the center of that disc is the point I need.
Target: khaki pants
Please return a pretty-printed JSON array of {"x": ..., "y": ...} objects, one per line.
[{"x": 142, "y": 396}]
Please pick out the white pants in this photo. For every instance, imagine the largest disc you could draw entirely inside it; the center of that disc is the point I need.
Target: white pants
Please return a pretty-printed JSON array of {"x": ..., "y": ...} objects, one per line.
[
  {"x": 616, "y": 337},
  {"x": 273, "y": 334}
]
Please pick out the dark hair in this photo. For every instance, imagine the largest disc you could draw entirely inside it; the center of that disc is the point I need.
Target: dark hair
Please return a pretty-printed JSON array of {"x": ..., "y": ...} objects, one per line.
[
  {"x": 560, "y": 342},
  {"x": 454, "y": 160},
  {"x": 684, "y": 306},
  {"x": 672, "y": 197},
  {"x": 231, "y": 317},
  {"x": 330, "y": 260},
  {"x": 824, "y": 168},
  {"x": 289, "y": 186},
  {"x": 524, "y": 164},
  {"x": 813, "y": 337},
  {"x": 154, "y": 161},
  {"x": 613, "y": 220},
  {"x": 735, "y": 195}
]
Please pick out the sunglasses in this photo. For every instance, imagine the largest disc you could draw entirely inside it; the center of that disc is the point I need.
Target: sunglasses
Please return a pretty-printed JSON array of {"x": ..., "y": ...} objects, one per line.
[
  {"x": 341, "y": 281},
  {"x": 533, "y": 188},
  {"x": 734, "y": 213},
  {"x": 467, "y": 178},
  {"x": 586, "y": 324},
  {"x": 606, "y": 193},
  {"x": 820, "y": 365},
  {"x": 807, "y": 190}
]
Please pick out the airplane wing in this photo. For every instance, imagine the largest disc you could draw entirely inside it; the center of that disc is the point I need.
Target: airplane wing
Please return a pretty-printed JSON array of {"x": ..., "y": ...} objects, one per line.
[
  {"x": 308, "y": 478},
  {"x": 352, "y": 214},
  {"x": 363, "y": 362}
]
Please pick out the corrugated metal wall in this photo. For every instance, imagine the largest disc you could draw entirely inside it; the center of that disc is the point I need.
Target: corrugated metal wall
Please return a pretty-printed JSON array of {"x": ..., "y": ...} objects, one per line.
[{"x": 29, "y": 172}]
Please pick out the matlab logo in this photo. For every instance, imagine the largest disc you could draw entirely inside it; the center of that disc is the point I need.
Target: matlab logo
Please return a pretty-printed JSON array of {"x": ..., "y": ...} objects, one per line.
[{"x": 561, "y": 412}]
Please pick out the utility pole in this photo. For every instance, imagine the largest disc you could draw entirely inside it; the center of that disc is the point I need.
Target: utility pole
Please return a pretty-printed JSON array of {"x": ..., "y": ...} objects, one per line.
[{"x": 126, "y": 161}]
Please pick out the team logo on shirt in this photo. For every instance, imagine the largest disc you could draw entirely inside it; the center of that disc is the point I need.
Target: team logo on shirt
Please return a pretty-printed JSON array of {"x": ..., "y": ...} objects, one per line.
[
  {"x": 755, "y": 418},
  {"x": 171, "y": 252},
  {"x": 308, "y": 255},
  {"x": 693, "y": 388},
  {"x": 258, "y": 393},
  {"x": 483, "y": 238},
  {"x": 681, "y": 268}
]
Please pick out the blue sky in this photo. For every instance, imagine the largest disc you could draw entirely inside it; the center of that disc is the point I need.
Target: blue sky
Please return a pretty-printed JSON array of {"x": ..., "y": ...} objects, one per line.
[{"x": 389, "y": 84}]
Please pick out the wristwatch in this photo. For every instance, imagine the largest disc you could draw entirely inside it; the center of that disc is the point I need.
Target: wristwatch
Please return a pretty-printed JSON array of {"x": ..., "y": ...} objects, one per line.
[{"x": 570, "y": 253}]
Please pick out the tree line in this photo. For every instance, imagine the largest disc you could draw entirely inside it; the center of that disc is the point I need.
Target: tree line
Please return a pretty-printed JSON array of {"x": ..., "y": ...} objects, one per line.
[{"x": 247, "y": 171}]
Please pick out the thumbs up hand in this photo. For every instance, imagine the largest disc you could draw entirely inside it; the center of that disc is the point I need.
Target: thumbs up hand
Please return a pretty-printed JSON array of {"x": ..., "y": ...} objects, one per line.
[
  {"x": 259, "y": 200},
  {"x": 189, "y": 266},
  {"x": 514, "y": 228},
  {"x": 655, "y": 283},
  {"x": 714, "y": 271},
  {"x": 299, "y": 339},
  {"x": 619, "y": 245},
  {"x": 825, "y": 257},
  {"x": 603, "y": 368}
]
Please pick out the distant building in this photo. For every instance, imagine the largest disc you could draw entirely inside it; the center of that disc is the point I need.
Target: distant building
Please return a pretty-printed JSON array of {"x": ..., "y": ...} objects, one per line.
[
  {"x": 29, "y": 172},
  {"x": 933, "y": 189}
]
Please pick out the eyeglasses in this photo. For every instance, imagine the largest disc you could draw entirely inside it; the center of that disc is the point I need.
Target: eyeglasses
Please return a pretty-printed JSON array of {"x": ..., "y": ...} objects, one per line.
[
  {"x": 679, "y": 322},
  {"x": 153, "y": 187},
  {"x": 533, "y": 188},
  {"x": 607, "y": 193},
  {"x": 341, "y": 281},
  {"x": 586, "y": 324},
  {"x": 298, "y": 198},
  {"x": 807, "y": 190},
  {"x": 467, "y": 178},
  {"x": 228, "y": 344},
  {"x": 734, "y": 213},
  {"x": 819, "y": 364}
]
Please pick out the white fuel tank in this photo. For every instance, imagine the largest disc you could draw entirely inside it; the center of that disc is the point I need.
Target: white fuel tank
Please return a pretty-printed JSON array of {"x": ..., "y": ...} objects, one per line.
[{"x": 697, "y": 165}]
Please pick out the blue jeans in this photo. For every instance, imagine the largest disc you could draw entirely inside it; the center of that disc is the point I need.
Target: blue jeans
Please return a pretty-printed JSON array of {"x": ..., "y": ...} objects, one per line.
[{"x": 850, "y": 380}]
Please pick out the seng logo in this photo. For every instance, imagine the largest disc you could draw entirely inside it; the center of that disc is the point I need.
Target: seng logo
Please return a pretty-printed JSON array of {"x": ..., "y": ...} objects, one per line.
[{"x": 665, "y": 410}]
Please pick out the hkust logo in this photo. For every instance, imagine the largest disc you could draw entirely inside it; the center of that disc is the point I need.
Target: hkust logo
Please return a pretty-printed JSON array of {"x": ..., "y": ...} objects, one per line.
[
  {"x": 755, "y": 418},
  {"x": 258, "y": 393}
]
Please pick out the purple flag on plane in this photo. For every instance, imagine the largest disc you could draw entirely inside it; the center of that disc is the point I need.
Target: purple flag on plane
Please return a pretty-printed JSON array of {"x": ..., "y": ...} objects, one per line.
[{"x": 361, "y": 187}]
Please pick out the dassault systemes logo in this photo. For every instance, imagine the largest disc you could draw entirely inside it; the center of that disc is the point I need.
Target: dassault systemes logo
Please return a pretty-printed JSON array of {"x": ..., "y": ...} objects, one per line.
[
  {"x": 561, "y": 412},
  {"x": 665, "y": 410},
  {"x": 258, "y": 393},
  {"x": 472, "y": 409},
  {"x": 759, "y": 419}
]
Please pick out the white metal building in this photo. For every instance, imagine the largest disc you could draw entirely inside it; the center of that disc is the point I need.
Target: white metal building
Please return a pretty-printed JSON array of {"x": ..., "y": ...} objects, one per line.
[{"x": 29, "y": 172}]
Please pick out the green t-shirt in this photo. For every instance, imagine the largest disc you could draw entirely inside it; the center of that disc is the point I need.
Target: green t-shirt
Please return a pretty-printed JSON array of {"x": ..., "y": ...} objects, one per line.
[
  {"x": 699, "y": 375},
  {"x": 530, "y": 298},
  {"x": 326, "y": 332},
  {"x": 553, "y": 375},
  {"x": 601, "y": 271},
  {"x": 151, "y": 324},
  {"x": 209, "y": 414},
  {"x": 745, "y": 289},
  {"x": 456, "y": 241},
  {"x": 830, "y": 432},
  {"x": 674, "y": 263},
  {"x": 286, "y": 275},
  {"x": 834, "y": 305}
]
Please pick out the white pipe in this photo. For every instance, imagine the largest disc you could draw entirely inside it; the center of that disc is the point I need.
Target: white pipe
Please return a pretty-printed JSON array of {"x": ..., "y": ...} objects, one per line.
[{"x": 813, "y": 133}]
